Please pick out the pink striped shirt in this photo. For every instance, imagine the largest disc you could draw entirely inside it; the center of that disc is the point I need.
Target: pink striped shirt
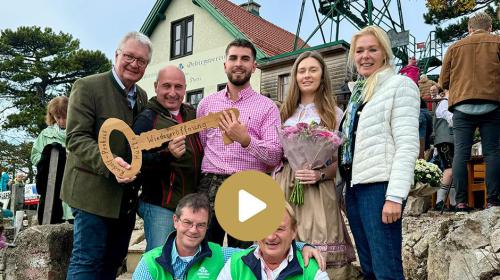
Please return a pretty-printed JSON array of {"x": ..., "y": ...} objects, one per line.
[{"x": 261, "y": 117}]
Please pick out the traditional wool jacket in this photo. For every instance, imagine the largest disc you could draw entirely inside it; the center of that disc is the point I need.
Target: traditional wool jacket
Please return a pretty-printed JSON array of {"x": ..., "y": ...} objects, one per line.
[{"x": 87, "y": 184}]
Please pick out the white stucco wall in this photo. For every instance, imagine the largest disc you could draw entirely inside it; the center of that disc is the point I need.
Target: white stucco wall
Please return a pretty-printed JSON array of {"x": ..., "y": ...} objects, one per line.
[{"x": 204, "y": 68}]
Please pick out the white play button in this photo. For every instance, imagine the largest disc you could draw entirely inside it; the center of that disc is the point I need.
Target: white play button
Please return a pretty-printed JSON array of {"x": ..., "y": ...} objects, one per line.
[{"x": 248, "y": 205}]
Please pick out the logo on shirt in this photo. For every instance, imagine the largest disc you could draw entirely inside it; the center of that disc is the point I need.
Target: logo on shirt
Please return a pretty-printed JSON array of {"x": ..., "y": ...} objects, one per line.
[{"x": 203, "y": 273}]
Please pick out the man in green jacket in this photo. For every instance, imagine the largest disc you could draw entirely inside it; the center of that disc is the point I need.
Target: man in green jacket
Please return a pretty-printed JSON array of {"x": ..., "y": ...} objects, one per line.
[
  {"x": 275, "y": 257},
  {"x": 187, "y": 254},
  {"x": 103, "y": 205}
]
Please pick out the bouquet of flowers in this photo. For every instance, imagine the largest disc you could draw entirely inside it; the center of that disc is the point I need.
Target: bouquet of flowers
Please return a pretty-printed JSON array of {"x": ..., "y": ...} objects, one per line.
[
  {"x": 308, "y": 146},
  {"x": 427, "y": 178}
]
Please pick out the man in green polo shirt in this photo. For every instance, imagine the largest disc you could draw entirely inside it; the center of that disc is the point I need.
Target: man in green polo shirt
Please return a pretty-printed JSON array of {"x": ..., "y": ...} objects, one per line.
[
  {"x": 186, "y": 254},
  {"x": 275, "y": 257}
]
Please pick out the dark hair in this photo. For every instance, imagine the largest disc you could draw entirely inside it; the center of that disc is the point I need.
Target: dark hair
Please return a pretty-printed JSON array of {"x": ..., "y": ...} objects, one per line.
[
  {"x": 244, "y": 43},
  {"x": 196, "y": 201}
]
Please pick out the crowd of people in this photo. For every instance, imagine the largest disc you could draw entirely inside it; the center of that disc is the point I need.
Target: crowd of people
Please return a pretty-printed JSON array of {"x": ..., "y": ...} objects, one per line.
[{"x": 386, "y": 126}]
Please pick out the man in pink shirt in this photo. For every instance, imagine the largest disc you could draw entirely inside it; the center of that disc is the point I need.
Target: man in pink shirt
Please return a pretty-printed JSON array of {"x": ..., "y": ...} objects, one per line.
[{"x": 256, "y": 144}]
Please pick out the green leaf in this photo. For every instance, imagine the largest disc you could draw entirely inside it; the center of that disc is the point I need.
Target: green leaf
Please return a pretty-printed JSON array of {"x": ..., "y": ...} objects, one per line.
[{"x": 37, "y": 65}]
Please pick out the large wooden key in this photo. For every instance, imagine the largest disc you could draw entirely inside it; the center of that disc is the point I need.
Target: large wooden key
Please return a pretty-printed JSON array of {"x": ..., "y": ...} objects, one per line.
[{"x": 151, "y": 139}]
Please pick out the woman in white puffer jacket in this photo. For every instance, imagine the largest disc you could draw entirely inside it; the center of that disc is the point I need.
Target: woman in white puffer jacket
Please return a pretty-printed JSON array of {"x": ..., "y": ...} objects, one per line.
[{"x": 378, "y": 159}]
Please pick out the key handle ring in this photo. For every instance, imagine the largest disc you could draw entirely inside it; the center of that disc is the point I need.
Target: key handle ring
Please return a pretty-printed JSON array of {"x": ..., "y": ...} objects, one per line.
[
  {"x": 137, "y": 143},
  {"x": 108, "y": 158}
]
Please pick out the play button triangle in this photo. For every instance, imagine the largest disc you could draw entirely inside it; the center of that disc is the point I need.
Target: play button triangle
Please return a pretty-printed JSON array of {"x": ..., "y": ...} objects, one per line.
[{"x": 248, "y": 205}]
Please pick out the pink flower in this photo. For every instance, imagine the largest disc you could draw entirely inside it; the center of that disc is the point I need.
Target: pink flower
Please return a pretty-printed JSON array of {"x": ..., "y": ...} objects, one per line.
[
  {"x": 289, "y": 131},
  {"x": 336, "y": 139},
  {"x": 302, "y": 126},
  {"x": 322, "y": 133}
]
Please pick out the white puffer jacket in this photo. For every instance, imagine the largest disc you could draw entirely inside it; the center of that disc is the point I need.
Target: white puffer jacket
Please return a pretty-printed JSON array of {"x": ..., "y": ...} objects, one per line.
[{"x": 387, "y": 145}]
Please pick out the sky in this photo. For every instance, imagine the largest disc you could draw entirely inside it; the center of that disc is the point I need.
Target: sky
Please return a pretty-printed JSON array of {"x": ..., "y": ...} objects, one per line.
[{"x": 99, "y": 25}]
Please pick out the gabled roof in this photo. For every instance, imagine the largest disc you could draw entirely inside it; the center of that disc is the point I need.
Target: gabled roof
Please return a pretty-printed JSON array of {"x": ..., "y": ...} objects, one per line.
[{"x": 269, "y": 39}]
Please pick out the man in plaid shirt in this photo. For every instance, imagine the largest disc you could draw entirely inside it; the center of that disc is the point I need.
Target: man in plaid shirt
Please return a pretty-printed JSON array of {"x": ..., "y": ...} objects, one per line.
[{"x": 256, "y": 144}]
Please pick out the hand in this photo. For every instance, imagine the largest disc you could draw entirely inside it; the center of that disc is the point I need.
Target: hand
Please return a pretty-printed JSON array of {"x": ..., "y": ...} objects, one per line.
[
  {"x": 177, "y": 146},
  {"x": 234, "y": 129},
  {"x": 308, "y": 252},
  {"x": 307, "y": 176},
  {"x": 391, "y": 212},
  {"x": 124, "y": 164}
]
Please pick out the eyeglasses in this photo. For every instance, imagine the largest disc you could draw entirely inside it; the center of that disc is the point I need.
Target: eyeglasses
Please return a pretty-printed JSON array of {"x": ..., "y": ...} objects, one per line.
[
  {"x": 130, "y": 59},
  {"x": 190, "y": 224}
]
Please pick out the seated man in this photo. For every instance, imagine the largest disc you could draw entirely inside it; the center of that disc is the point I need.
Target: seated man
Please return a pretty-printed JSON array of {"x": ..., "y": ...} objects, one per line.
[
  {"x": 186, "y": 250},
  {"x": 275, "y": 257}
]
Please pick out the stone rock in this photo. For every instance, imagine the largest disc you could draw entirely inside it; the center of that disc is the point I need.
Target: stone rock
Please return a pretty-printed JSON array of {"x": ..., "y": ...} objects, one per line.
[
  {"x": 415, "y": 206},
  {"x": 41, "y": 252},
  {"x": 452, "y": 246},
  {"x": 420, "y": 249},
  {"x": 139, "y": 223},
  {"x": 473, "y": 264},
  {"x": 468, "y": 235},
  {"x": 137, "y": 237},
  {"x": 495, "y": 241}
]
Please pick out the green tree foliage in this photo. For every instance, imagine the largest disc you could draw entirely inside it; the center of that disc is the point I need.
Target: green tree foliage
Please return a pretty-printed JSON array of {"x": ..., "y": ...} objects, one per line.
[
  {"x": 441, "y": 11},
  {"x": 36, "y": 65},
  {"x": 16, "y": 158}
]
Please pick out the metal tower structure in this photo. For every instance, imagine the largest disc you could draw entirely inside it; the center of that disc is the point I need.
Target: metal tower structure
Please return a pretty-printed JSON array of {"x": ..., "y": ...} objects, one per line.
[{"x": 386, "y": 14}]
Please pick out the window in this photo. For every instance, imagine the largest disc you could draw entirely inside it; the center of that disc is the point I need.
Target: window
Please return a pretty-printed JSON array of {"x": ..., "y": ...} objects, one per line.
[
  {"x": 182, "y": 38},
  {"x": 221, "y": 86},
  {"x": 194, "y": 97},
  {"x": 283, "y": 85}
]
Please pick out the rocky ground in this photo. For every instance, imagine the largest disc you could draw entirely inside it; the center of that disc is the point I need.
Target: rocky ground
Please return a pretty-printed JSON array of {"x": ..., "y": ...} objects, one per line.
[{"x": 451, "y": 246}]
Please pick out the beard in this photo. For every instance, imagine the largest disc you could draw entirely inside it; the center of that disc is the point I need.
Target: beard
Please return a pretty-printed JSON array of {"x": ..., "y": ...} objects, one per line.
[{"x": 239, "y": 81}]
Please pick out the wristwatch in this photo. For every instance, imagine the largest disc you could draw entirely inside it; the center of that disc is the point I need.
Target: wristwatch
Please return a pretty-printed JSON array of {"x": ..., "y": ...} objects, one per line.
[{"x": 322, "y": 176}]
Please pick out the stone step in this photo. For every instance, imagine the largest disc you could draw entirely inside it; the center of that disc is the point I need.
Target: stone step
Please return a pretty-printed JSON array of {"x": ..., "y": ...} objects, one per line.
[
  {"x": 125, "y": 276},
  {"x": 134, "y": 255}
]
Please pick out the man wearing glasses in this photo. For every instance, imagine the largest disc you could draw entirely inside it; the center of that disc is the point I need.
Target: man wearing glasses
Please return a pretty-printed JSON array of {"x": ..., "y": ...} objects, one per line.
[
  {"x": 104, "y": 206},
  {"x": 186, "y": 253}
]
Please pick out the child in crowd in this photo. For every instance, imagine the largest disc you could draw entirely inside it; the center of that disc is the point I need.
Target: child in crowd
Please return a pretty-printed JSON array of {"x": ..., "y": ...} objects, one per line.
[{"x": 443, "y": 131}]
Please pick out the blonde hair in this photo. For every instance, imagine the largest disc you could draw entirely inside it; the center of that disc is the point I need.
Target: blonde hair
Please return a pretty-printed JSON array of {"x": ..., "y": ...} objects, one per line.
[
  {"x": 385, "y": 44},
  {"x": 324, "y": 99},
  {"x": 58, "y": 106},
  {"x": 480, "y": 20},
  {"x": 291, "y": 213}
]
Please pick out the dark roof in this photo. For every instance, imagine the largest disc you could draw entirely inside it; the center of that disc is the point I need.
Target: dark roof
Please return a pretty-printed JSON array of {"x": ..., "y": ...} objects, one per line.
[{"x": 268, "y": 37}]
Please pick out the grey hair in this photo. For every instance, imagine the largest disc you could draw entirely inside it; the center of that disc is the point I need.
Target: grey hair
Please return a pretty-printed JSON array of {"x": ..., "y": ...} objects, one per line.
[
  {"x": 480, "y": 20},
  {"x": 139, "y": 37}
]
